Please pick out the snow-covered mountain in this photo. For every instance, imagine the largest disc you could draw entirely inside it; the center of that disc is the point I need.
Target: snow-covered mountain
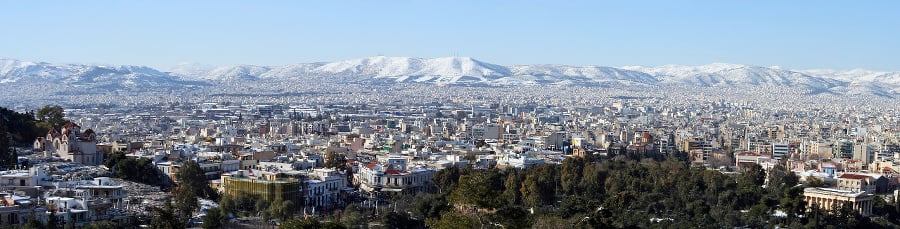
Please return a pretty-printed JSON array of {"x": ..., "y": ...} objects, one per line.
[
  {"x": 551, "y": 73},
  {"x": 456, "y": 70},
  {"x": 14, "y": 70},
  {"x": 24, "y": 72},
  {"x": 860, "y": 81},
  {"x": 720, "y": 74},
  {"x": 445, "y": 70}
]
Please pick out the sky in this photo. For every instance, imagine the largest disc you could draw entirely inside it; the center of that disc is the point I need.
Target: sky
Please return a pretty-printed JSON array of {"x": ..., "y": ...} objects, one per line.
[{"x": 162, "y": 34}]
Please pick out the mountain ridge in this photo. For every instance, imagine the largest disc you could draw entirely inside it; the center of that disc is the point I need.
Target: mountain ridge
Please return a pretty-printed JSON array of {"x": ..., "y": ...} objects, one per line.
[{"x": 461, "y": 70}]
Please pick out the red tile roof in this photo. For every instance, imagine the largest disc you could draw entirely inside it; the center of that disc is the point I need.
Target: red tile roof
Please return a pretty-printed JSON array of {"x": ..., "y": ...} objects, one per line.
[
  {"x": 854, "y": 176},
  {"x": 70, "y": 125}
]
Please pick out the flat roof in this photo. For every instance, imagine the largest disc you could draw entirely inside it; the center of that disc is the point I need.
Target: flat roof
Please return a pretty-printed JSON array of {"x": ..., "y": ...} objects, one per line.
[{"x": 838, "y": 192}]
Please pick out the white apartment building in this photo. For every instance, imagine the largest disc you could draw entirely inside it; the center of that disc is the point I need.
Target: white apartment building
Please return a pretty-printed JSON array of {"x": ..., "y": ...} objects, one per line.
[{"x": 323, "y": 186}]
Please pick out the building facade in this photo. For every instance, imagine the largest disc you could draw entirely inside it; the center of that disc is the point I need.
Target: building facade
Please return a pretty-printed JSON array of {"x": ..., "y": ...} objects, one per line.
[{"x": 825, "y": 198}]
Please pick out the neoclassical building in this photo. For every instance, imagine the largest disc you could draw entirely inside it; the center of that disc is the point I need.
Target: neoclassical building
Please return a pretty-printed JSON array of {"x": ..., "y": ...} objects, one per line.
[
  {"x": 827, "y": 198},
  {"x": 71, "y": 144}
]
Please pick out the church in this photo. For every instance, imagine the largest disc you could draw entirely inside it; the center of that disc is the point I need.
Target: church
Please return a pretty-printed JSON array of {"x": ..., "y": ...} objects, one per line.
[{"x": 71, "y": 144}]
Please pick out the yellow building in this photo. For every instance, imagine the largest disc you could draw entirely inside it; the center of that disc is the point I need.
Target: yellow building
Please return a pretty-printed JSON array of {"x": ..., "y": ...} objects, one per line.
[{"x": 269, "y": 188}]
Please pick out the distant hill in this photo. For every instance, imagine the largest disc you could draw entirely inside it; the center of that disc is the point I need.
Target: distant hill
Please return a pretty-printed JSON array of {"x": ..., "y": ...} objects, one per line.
[{"x": 447, "y": 70}]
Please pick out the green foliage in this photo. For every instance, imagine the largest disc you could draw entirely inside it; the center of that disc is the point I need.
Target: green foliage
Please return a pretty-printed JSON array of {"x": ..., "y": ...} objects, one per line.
[
  {"x": 446, "y": 180},
  {"x": 333, "y": 225},
  {"x": 139, "y": 170},
  {"x": 511, "y": 217},
  {"x": 214, "y": 218},
  {"x": 781, "y": 179},
  {"x": 397, "y": 220},
  {"x": 511, "y": 194},
  {"x": 335, "y": 160},
  {"x": 479, "y": 188},
  {"x": 280, "y": 209},
  {"x": 308, "y": 223},
  {"x": 21, "y": 127},
  {"x": 192, "y": 176},
  {"x": 242, "y": 202},
  {"x": 185, "y": 203},
  {"x": 814, "y": 182},
  {"x": 752, "y": 175},
  {"x": 6, "y": 159},
  {"x": 52, "y": 220},
  {"x": 103, "y": 225},
  {"x": 32, "y": 223},
  {"x": 570, "y": 175},
  {"x": 792, "y": 203},
  {"x": 51, "y": 116},
  {"x": 431, "y": 206},
  {"x": 629, "y": 193},
  {"x": 452, "y": 219},
  {"x": 539, "y": 187},
  {"x": 354, "y": 216},
  {"x": 167, "y": 217}
]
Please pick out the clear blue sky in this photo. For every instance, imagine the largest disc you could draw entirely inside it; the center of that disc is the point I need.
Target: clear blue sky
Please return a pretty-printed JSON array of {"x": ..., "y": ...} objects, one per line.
[{"x": 792, "y": 34}]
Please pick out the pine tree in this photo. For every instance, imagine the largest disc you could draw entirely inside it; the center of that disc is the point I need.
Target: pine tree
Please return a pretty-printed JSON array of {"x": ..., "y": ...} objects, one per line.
[{"x": 5, "y": 156}]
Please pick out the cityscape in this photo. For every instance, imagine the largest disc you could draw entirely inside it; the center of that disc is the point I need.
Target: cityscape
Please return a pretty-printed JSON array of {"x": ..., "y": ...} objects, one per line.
[{"x": 421, "y": 139}]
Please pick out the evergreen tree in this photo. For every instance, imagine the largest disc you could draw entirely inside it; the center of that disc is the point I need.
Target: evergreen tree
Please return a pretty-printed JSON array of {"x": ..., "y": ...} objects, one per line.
[
  {"x": 166, "y": 217},
  {"x": 5, "y": 155},
  {"x": 51, "y": 117},
  {"x": 214, "y": 219}
]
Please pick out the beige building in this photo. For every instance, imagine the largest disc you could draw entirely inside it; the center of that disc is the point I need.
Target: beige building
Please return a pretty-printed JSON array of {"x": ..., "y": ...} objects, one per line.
[
  {"x": 856, "y": 182},
  {"x": 826, "y": 198}
]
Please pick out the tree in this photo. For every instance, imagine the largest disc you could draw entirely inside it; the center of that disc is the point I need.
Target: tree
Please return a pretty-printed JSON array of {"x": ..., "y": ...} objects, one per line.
[
  {"x": 812, "y": 181},
  {"x": 52, "y": 221},
  {"x": 571, "y": 173},
  {"x": 333, "y": 225},
  {"x": 186, "y": 202},
  {"x": 166, "y": 217},
  {"x": 396, "y": 220},
  {"x": 512, "y": 217},
  {"x": 752, "y": 175},
  {"x": 431, "y": 206},
  {"x": 51, "y": 117},
  {"x": 780, "y": 179},
  {"x": 511, "y": 194},
  {"x": 6, "y": 159},
  {"x": 214, "y": 218},
  {"x": 539, "y": 187},
  {"x": 793, "y": 203},
  {"x": 478, "y": 188},
  {"x": 103, "y": 225},
  {"x": 191, "y": 175},
  {"x": 307, "y": 223},
  {"x": 21, "y": 127},
  {"x": 354, "y": 216},
  {"x": 138, "y": 170},
  {"x": 280, "y": 209},
  {"x": 452, "y": 219},
  {"x": 32, "y": 223},
  {"x": 446, "y": 180},
  {"x": 335, "y": 160}
]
